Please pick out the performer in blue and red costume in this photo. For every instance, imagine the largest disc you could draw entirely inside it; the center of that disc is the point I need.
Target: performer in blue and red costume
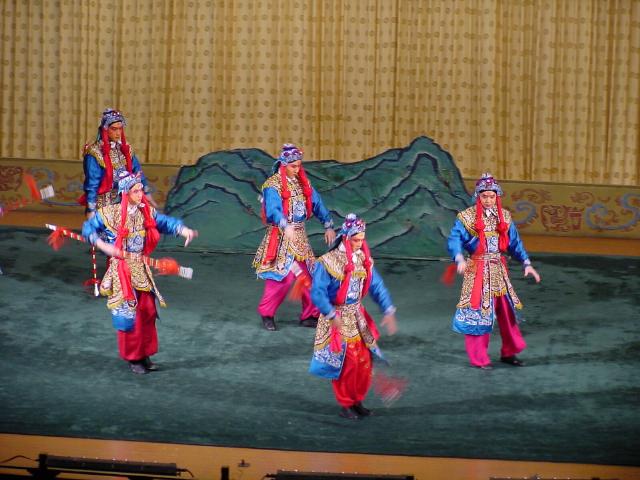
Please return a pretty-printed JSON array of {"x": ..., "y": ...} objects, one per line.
[
  {"x": 488, "y": 233},
  {"x": 346, "y": 335},
  {"x": 285, "y": 256},
  {"x": 104, "y": 161},
  {"x": 131, "y": 230}
]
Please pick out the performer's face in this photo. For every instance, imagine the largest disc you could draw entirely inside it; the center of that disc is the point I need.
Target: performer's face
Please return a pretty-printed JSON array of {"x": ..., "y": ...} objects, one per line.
[
  {"x": 356, "y": 241},
  {"x": 135, "y": 194},
  {"x": 488, "y": 199},
  {"x": 114, "y": 131},
  {"x": 293, "y": 168}
]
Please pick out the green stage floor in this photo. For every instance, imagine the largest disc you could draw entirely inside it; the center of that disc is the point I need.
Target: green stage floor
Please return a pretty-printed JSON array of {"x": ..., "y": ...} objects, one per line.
[{"x": 225, "y": 381}]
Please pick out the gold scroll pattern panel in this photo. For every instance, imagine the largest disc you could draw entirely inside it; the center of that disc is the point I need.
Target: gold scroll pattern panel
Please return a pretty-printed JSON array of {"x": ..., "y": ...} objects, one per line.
[
  {"x": 572, "y": 209},
  {"x": 67, "y": 178}
]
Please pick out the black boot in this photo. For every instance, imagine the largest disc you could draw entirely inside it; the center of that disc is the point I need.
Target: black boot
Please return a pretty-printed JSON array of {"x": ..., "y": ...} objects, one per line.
[
  {"x": 349, "y": 413},
  {"x": 149, "y": 365},
  {"x": 269, "y": 323},
  {"x": 311, "y": 322},
  {"x": 137, "y": 367},
  {"x": 361, "y": 410},
  {"x": 512, "y": 360}
]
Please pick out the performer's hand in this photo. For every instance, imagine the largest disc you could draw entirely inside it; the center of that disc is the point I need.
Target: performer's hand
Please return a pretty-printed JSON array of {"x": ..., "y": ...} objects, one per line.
[
  {"x": 529, "y": 270},
  {"x": 289, "y": 233},
  {"x": 329, "y": 236},
  {"x": 461, "y": 267},
  {"x": 389, "y": 322},
  {"x": 109, "y": 249},
  {"x": 91, "y": 214},
  {"x": 337, "y": 321},
  {"x": 188, "y": 235}
]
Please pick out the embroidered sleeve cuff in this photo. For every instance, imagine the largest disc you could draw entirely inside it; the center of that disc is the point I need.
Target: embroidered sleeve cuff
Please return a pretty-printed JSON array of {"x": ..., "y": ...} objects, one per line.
[
  {"x": 328, "y": 225},
  {"x": 459, "y": 258},
  {"x": 526, "y": 263},
  {"x": 390, "y": 311},
  {"x": 283, "y": 223},
  {"x": 91, "y": 206},
  {"x": 331, "y": 315}
]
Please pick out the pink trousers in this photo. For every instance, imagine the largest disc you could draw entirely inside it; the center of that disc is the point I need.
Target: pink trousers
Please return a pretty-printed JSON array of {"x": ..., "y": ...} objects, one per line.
[
  {"x": 512, "y": 341},
  {"x": 275, "y": 293}
]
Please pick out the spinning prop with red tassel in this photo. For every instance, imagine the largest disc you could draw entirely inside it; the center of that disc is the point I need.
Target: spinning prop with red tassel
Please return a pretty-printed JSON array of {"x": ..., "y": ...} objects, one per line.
[
  {"x": 163, "y": 266},
  {"x": 449, "y": 275},
  {"x": 303, "y": 281},
  {"x": 37, "y": 195},
  {"x": 387, "y": 387}
]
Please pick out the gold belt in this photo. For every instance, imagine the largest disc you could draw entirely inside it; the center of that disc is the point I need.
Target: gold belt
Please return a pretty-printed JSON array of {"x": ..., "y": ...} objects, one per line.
[
  {"x": 488, "y": 257},
  {"x": 133, "y": 257},
  {"x": 297, "y": 225}
]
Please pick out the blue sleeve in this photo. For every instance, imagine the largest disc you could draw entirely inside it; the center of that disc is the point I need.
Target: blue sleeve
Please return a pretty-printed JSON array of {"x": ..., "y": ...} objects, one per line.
[
  {"x": 273, "y": 207},
  {"x": 379, "y": 292},
  {"x": 320, "y": 290},
  {"x": 93, "y": 174},
  {"x": 320, "y": 211},
  {"x": 516, "y": 247},
  {"x": 92, "y": 228},
  {"x": 168, "y": 225},
  {"x": 459, "y": 240}
]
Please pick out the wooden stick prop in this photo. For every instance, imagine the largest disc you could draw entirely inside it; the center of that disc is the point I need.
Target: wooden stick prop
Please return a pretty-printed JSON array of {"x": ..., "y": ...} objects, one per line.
[
  {"x": 164, "y": 266},
  {"x": 94, "y": 271}
]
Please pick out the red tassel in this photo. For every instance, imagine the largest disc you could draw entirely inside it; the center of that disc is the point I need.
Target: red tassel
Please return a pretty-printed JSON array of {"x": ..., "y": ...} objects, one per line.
[
  {"x": 167, "y": 266},
  {"x": 33, "y": 188},
  {"x": 125, "y": 273},
  {"x": 272, "y": 246},
  {"x": 449, "y": 275},
  {"x": 476, "y": 292},
  {"x": 336, "y": 339},
  {"x": 302, "y": 283},
  {"x": 387, "y": 387},
  {"x": 373, "y": 328},
  {"x": 89, "y": 284},
  {"x": 57, "y": 239}
]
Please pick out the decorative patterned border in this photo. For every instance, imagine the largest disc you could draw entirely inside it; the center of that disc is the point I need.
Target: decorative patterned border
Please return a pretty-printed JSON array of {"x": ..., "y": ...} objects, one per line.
[
  {"x": 66, "y": 178},
  {"x": 573, "y": 210},
  {"x": 538, "y": 208}
]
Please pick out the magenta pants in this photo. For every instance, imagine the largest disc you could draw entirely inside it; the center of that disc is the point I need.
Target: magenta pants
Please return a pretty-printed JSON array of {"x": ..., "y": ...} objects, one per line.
[
  {"x": 275, "y": 293},
  {"x": 512, "y": 341}
]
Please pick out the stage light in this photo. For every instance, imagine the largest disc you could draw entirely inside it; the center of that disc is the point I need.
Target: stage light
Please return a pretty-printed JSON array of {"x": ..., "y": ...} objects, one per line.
[
  {"x": 105, "y": 465},
  {"x": 293, "y": 475}
]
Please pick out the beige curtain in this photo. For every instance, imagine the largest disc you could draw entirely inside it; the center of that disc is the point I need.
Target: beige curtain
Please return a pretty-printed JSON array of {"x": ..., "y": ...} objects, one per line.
[{"x": 543, "y": 90}]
